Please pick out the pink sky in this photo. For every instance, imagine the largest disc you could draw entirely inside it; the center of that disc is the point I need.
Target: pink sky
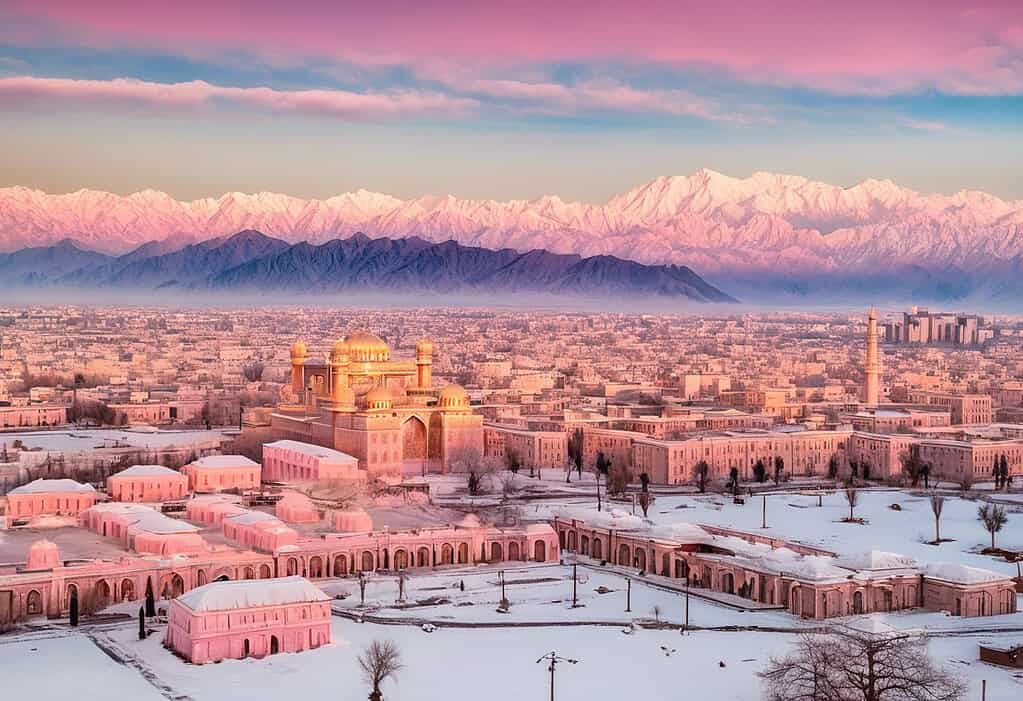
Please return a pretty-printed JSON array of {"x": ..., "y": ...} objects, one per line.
[{"x": 840, "y": 46}]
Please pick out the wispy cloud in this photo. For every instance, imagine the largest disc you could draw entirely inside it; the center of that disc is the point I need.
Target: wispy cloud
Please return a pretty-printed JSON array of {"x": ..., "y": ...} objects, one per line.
[
  {"x": 922, "y": 124},
  {"x": 20, "y": 91},
  {"x": 872, "y": 47}
]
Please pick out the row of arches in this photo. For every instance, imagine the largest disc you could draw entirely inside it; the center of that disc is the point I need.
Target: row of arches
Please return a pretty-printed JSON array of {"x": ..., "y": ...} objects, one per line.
[{"x": 400, "y": 558}]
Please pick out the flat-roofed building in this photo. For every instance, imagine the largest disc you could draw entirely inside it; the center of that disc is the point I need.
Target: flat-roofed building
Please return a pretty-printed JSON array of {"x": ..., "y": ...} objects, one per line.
[
  {"x": 46, "y": 497},
  {"x": 149, "y": 483},
  {"x": 295, "y": 461},
  {"x": 217, "y": 473},
  {"x": 248, "y": 618}
]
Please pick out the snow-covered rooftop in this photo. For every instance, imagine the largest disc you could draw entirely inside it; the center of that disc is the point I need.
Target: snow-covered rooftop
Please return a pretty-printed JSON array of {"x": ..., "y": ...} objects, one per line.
[
  {"x": 876, "y": 560},
  {"x": 961, "y": 574},
  {"x": 225, "y": 461},
  {"x": 147, "y": 519},
  {"x": 249, "y": 593},
  {"x": 316, "y": 451},
  {"x": 146, "y": 471},
  {"x": 44, "y": 486}
]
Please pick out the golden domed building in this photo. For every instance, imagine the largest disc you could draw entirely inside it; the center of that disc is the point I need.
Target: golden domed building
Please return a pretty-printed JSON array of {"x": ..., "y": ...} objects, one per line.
[{"x": 384, "y": 412}]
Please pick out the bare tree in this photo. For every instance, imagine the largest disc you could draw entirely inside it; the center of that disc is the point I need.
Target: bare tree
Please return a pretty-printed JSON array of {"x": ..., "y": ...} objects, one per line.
[
  {"x": 645, "y": 500},
  {"x": 380, "y": 661},
  {"x": 937, "y": 505},
  {"x": 700, "y": 471},
  {"x": 509, "y": 486},
  {"x": 477, "y": 469},
  {"x": 856, "y": 666},
  {"x": 994, "y": 519},
  {"x": 618, "y": 479},
  {"x": 852, "y": 497}
]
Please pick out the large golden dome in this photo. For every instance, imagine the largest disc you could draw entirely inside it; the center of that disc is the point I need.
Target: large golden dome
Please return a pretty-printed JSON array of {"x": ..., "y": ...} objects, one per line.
[
  {"x": 365, "y": 347},
  {"x": 340, "y": 350}
]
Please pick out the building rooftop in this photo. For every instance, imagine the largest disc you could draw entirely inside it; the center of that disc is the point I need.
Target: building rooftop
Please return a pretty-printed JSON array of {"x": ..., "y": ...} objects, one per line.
[
  {"x": 146, "y": 471},
  {"x": 316, "y": 451},
  {"x": 251, "y": 593},
  {"x": 44, "y": 486}
]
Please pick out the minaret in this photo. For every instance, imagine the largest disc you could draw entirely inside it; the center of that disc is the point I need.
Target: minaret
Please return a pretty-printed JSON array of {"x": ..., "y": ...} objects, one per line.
[
  {"x": 298, "y": 358},
  {"x": 424, "y": 361},
  {"x": 872, "y": 368},
  {"x": 341, "y": 394}
]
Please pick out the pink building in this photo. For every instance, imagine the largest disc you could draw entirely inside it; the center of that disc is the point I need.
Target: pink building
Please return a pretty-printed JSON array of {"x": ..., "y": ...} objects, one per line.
[
  {"x": 212, "y": 509},
  {"x": 352, "y": 521},
  {"x": 151, "y": 483},
  {"x": 294, "y": 461},
  {"x": 259, "y": 530},
  {"x": 297, "y": 508},
  {"x": 45, "y": 585},
  {"x": 467, "y": 543},
  {"x": 143, "y": 529},
  {"x": 235, "y": 620},
  {"x": 217, "y": 473},
  {"x": 808, "y": 582},
  {"x": 59, "y": 497}
]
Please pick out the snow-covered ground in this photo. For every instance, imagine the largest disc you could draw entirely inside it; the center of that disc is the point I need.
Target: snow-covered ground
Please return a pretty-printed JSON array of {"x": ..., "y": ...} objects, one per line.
[
  {"x": 467, "y": 657},
  {"x": 453, "y": 663},
  {"x": 796, "y": 516}
]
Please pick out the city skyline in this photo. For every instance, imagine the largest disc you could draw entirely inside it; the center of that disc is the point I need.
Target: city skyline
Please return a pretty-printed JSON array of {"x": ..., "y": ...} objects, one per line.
[{"x": 571, "y": 100}]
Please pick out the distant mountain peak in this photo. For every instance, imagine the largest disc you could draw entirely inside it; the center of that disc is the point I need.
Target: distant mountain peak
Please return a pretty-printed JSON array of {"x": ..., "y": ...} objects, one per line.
[{"x": 764, "y": 227}]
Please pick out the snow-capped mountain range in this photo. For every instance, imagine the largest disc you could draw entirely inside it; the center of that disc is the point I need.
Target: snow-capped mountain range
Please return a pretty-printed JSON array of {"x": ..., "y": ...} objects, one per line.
[{"x": 766, "y": 230}]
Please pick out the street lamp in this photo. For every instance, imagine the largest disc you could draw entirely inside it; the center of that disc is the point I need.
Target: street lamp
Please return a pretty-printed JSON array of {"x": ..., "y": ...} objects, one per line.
[{"x": 554, "y": 660}]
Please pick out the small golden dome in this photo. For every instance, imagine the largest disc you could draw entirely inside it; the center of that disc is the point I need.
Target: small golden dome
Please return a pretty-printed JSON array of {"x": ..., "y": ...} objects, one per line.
[
  {"x": 378, "y": 399},
  {"x": 365, "y": 347},
  {"x": 424, "y": 347},
  {"x": 298, "y": 350},
  {"x": 453, "y": 397}
]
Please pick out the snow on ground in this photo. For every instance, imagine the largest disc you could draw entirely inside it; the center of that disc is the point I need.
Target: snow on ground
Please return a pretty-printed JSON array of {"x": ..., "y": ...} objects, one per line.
[
  {"x": 540, "y": 593},
  {"x": 66, "y": 666},
  {"x": 797, "y": 517},
  {"x": 500, "y": 665}
]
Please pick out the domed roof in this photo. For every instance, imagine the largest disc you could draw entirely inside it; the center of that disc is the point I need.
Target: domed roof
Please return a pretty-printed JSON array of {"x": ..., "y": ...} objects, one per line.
[
  {"x": 424, "y": 347},
  {"x": 340, "y": 349},
  {"x": 364, "y": 346},
  {"x": 453, "y": 396},
  {"x": 378, "y": 398},
  {"x": 298, "y": 350}
]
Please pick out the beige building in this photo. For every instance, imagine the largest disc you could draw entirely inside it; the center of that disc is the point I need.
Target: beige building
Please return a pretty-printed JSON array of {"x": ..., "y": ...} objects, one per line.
[
  {"x": 536, "y": 449},
  {"x": 385, "y": 413}
]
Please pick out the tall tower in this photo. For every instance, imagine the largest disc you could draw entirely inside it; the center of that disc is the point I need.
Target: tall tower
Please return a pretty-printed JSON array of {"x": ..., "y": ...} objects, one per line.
[
  {"x": 872, "y": 368},
  {"x": 298, "y": 358},
  {"x": 424, "y": 361},
  {"x": 341, "y": 394}
]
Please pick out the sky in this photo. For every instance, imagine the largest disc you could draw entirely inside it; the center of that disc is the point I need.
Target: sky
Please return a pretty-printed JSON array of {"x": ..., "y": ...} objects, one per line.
[{"x": 506, "y": 100}]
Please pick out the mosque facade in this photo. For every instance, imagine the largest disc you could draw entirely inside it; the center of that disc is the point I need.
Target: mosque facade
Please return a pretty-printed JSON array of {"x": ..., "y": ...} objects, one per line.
[{"x": 386, "y": 413}]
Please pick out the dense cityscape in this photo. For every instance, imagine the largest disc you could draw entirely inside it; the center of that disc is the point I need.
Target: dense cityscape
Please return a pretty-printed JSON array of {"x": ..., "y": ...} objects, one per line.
[{"x": 580, "y": 351}]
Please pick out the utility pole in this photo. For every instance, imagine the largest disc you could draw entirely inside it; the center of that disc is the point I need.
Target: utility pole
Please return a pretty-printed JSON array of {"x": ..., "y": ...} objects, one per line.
[
  {"x": 763, "y": 523},
  {"x": 575, "y": 587},
  {"x": 685, "y": 624},
  {"x": 628, "y": 595},
  {"x": 554, "y": 660}
]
